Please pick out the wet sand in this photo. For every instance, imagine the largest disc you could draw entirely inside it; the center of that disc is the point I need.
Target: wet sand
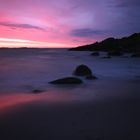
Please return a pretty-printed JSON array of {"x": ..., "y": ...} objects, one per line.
[{"x": 110, "y": 119}]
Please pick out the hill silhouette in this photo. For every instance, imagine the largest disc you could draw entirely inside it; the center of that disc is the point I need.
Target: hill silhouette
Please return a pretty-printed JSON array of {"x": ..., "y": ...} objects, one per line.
[{"x": 126, "y": 44}]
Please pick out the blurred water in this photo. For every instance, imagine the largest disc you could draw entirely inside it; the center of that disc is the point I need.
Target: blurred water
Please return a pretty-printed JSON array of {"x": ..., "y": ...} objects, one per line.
[
  {"x": 36, "y": 67},
  {"x": 103, "y": 108}
]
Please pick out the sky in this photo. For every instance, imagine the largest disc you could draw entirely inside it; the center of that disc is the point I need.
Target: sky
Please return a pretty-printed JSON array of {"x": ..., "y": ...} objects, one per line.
[{"x": 65, "y": 23}]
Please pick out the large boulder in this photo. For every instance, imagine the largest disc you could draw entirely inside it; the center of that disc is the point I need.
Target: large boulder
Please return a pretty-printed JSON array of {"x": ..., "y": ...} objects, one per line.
[
  {"x": 67, "y": 80},
  {"x": 82, "y": 70}
]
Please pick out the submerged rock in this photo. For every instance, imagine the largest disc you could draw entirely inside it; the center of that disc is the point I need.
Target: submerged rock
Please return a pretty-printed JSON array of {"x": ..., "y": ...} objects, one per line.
[
  {"x": 136, "y": 54},
  {"x": 82, "y": 70},
  {"x": 67, "y": 80},
  {"x": 115, "y": 53},
  {"x": 36, "y": 91},
  {"x": 106, "y": 57},
  {"x": 91, "y": 77},
  {"x": 95, "y": 54}
]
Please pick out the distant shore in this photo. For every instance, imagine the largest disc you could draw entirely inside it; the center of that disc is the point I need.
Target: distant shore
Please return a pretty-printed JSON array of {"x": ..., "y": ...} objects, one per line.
[{"x": 115, "y": 46}]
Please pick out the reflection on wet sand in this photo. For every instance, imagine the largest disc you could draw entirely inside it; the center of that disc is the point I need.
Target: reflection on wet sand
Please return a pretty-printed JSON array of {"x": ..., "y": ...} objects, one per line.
[{"x": 9, "y": 101}]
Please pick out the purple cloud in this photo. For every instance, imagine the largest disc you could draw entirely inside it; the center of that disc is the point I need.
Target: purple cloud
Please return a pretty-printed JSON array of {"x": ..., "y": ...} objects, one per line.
[
  {"x": 86, "y": 32},
  {"x": 68, "y": 19},
  {"x": 17, "y": 25}
]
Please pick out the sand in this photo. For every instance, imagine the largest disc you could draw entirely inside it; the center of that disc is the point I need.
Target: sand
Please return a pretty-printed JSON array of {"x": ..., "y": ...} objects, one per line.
[{"x": 104, "y": 119}]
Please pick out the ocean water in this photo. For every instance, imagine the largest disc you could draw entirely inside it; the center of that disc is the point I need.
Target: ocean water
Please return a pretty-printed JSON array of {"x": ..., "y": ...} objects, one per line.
[
  {"x": 102, "y": 109},
  {"x": 24, "y": 70}
]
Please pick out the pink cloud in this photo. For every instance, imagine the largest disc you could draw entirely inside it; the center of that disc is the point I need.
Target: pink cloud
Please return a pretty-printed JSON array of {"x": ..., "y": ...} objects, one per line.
[{"x": 60, "y": 19}]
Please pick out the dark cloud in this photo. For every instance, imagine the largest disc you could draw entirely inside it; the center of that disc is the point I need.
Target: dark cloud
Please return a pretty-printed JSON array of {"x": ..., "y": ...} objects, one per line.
[
  {"x": 128, "y": 3},
  {"x": 86, "y": 32},
  {"x": 16, "y": 25},
  {"x": 124, "y": 3}
]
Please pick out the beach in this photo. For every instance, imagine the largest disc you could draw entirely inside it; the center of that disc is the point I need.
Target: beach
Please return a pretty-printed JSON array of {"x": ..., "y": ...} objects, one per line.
[{"x": 102, "y": 109}]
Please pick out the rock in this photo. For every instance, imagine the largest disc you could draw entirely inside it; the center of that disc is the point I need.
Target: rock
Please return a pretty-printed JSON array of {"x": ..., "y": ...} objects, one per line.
[
  {"x": 106, "y": 57},
  {"x": 91, "y": 77},
  {"x": 95, "y": 54},
  {"x": 115, "y": 53},
  {"x": 67, "y": 80},
  {"x": 136, "y": 54},
  {"x": 125, "y": 44},
  {"x": 37, "y": 91},
  {"x": 82, "y": 70}
]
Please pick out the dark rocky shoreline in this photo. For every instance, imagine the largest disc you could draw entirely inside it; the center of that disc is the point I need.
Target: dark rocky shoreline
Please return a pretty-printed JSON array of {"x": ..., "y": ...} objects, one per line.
[{"x": 114, "y": 47}]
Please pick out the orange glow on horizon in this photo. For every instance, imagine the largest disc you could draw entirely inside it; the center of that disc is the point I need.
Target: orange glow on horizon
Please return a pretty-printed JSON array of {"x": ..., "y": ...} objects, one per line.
[{"x": 17, "y": 43}]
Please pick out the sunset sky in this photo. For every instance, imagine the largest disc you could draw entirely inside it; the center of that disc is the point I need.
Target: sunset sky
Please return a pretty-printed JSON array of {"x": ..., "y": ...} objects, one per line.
[{"x": 65, "y": 23}]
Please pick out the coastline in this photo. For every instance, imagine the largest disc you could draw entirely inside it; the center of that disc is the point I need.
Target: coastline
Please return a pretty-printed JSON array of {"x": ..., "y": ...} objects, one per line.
[{"x": 105, "y": 109}]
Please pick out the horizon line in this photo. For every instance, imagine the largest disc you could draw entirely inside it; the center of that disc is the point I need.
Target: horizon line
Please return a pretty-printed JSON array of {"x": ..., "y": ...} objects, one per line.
[{"x": 20, "y": 43}]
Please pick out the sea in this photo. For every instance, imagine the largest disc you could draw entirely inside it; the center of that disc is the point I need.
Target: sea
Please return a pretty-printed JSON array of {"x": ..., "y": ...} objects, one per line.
[
  {"x": 106, "y": 108},
  {"x": 23, "y": 70}
]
